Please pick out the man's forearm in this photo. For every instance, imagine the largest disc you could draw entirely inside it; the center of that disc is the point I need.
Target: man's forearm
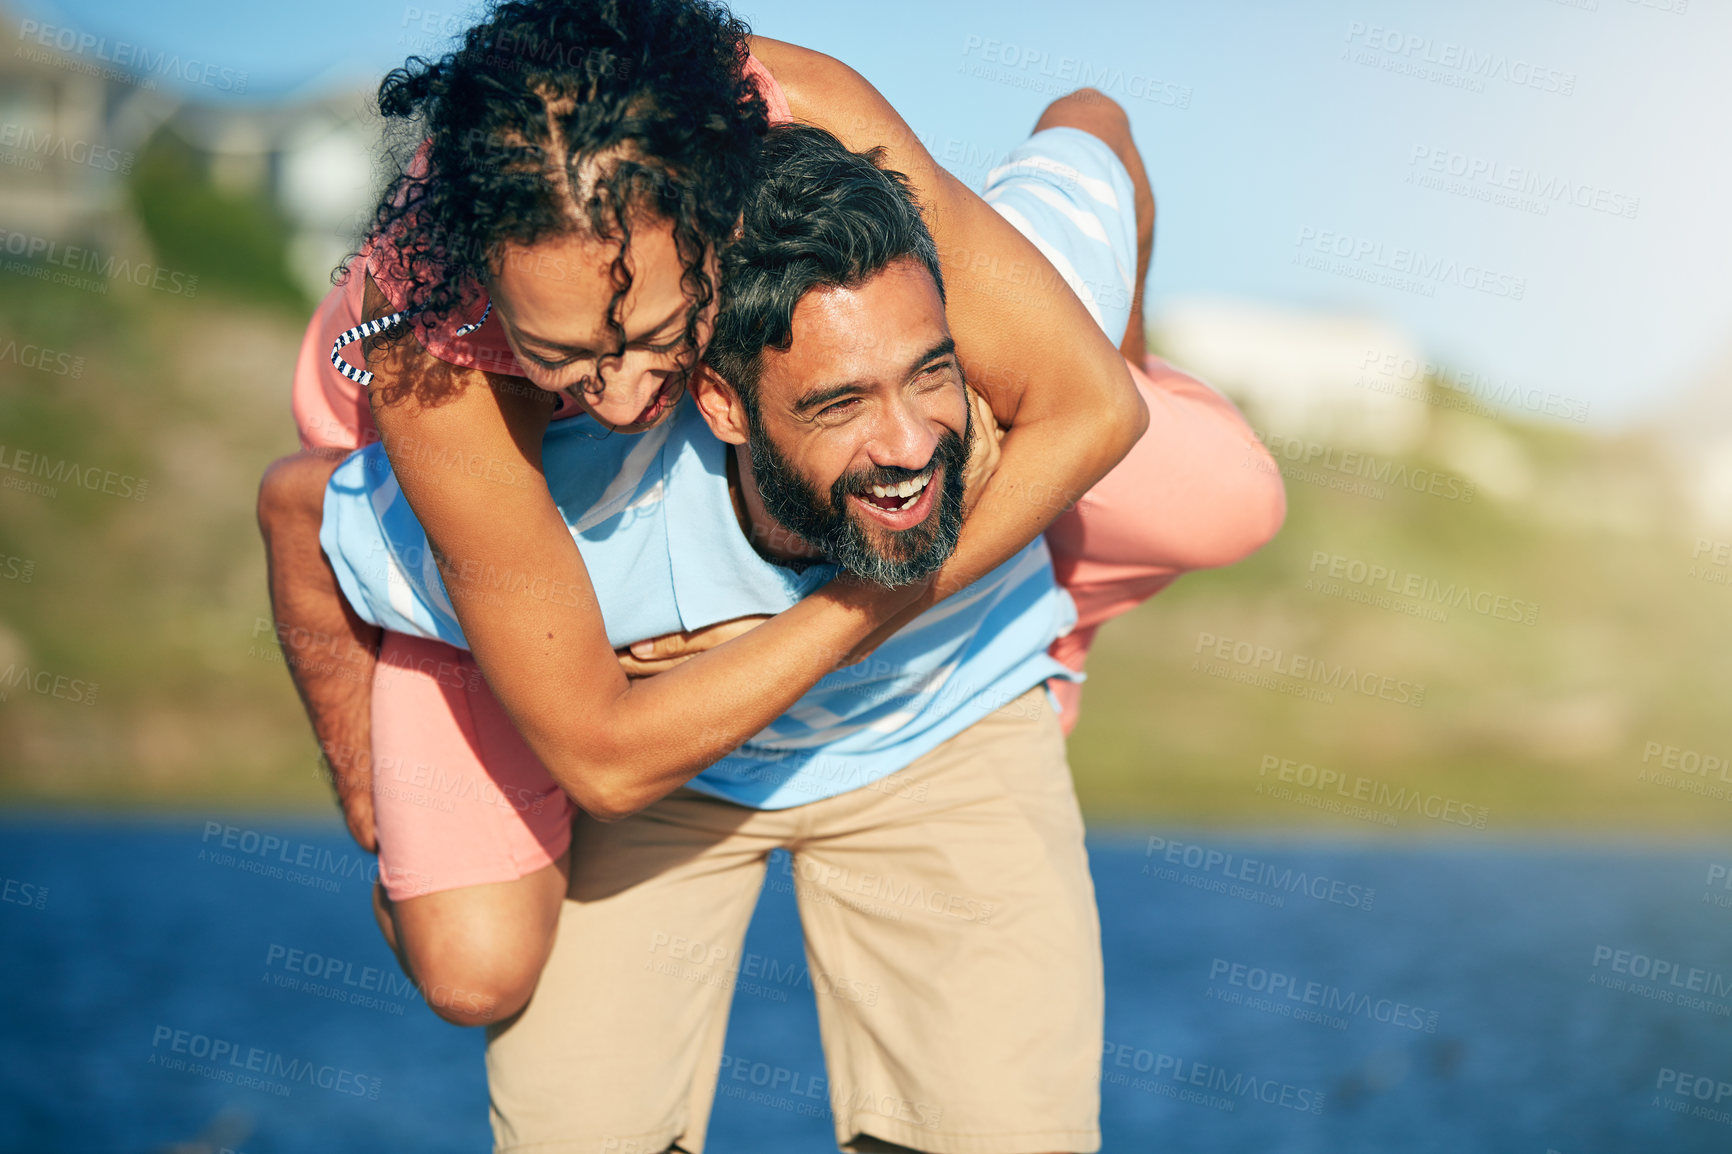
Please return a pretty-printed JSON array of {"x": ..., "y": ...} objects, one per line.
[{"x": 329, "y": 650}]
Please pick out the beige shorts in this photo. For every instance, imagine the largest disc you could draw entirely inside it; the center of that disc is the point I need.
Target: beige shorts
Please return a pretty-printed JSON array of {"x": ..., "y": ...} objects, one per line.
[{"x": 952, "y": 947}]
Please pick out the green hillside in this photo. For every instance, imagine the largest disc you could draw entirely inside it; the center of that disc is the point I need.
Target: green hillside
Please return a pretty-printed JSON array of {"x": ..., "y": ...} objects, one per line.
[
  {"x": 155, "y": 596},
  {"x": 1541, "y": 725}
]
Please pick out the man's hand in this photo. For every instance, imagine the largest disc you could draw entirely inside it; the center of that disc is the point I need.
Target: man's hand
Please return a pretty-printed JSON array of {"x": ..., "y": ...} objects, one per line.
[
  {"x": 660, "y": 654},
  {"x": 983, "y": 453},
  {"x": 352, "y": 777}
]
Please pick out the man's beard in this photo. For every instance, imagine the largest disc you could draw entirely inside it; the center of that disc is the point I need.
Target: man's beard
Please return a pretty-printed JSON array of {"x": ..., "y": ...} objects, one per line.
[{"x": 836, "y": 530}]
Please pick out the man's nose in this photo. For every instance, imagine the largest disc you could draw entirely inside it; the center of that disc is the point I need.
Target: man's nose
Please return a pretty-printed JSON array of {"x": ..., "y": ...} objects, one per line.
[{"x": 903, "y": 438}]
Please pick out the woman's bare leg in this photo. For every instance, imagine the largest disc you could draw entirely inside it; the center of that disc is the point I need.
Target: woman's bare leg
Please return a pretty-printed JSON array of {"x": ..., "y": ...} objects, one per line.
[
  {"x": 1100, "y": 116},
  {"x": 476, "y": 952}
]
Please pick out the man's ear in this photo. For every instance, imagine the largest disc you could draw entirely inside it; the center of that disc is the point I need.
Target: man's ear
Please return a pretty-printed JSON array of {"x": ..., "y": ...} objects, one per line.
[{"x": 721, "y": 406}]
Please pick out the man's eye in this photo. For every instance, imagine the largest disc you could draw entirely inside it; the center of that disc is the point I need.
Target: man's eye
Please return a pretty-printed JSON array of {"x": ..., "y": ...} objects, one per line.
[{"x": 837, "y": 408}]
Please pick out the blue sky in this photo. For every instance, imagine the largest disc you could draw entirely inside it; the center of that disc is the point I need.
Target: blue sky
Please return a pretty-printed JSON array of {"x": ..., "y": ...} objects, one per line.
[{"x": 1275, "y": 132}]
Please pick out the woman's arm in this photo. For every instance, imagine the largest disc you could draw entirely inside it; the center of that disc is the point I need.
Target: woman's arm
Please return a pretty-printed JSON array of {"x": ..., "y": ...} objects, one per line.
[
  {"x": 1057, "y": 385},
  {"x": 465, "y": 447}
]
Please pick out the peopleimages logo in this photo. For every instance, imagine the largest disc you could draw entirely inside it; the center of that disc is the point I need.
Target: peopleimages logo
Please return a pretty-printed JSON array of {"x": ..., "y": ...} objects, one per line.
[
  {"x": 134, "y": 57},
  {"x": 79, "y": 261},
  {"x": 32, "y": 143},
  {"x": 47, "y": 684},
  {"x": 1041, "y": 71},
  {"x": 1209, "y": 863},
  {"x": 45, "y": 360},
  {"x": 1274, "y": 668},
  {"x": 1200, "y": 1083},
  {"x": 1447, "y": 62},
  {"x": 1718, "y": 874},
  {"x": 21, "y": 893},
  {"x": 93, "y": 478},
  {"x": 1663, "y": 980},
  {"x": 1688, "y": 761},
  {"x": 1328, "y": 569},
  {"x": 1333, "y": 1005},
  {"x": 1363, "y": 258},
  {"x": 1358, "y": 788},
  {"x": 1302, "y": 459},
  {"x": 268, "y": 854},
  {"x": 1543, "y": 188},
  {"x": 338, "y": 980},
  {"x": 223, "y": 1060},
  {"x": 1387, "y": 368}
]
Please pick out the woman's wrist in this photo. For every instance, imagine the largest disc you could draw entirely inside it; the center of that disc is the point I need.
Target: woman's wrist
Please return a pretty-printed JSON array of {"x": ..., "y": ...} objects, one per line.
[{"x": 866, "y": 604}]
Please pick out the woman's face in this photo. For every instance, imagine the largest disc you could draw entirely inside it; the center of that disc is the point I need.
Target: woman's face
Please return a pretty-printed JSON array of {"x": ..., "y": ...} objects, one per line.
[{"x": 552, "y": 298}]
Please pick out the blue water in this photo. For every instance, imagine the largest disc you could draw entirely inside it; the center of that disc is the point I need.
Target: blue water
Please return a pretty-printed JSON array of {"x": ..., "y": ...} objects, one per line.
[{"x": 1500, "y": 966}]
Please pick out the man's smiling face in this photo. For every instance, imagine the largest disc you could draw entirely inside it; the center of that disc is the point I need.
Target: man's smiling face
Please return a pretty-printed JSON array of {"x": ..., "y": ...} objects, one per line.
[{"x": 859, "y": 430}]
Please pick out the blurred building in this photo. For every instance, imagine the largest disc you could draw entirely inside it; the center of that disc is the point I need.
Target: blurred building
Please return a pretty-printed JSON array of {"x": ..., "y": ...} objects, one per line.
[
  {"x": 1698, "y": 433},
  {"x": 65, "y": 144},
  {"x": 313, "y": 160},
  {"x": 1348, "y": 381},
  {"x": 72, "y": 130}
]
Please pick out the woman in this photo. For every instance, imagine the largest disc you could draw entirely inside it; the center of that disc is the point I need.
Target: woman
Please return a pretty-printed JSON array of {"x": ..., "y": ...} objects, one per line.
[{"x": 582, "y": 161}]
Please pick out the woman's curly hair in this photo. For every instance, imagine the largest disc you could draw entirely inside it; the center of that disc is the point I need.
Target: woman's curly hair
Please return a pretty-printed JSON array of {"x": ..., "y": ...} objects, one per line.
[{"x": 560, "y": 116}]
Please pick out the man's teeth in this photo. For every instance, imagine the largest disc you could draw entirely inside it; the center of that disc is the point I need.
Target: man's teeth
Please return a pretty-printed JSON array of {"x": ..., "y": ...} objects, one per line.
[{"x": 908, "y": 489}]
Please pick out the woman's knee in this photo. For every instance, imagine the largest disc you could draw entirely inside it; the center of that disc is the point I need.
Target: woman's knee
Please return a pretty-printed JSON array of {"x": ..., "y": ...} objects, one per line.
[
  {"x": 477, "y": 1002},
  {"x": 476, "y": 952},
  {"x": 293, "y": 490},
  {"x": 1094, "y": 112},
  {"x": 468, "y": 989}
]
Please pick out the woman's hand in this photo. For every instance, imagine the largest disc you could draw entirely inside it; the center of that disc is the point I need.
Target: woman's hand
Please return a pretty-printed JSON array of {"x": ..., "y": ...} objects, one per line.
[
  {"x": 983, "y": 453},
  {"x": 660, "y": 654}
]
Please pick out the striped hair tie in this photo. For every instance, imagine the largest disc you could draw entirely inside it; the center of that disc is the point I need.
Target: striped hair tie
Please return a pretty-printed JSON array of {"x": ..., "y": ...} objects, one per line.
[{"x": 364, "y": 377}]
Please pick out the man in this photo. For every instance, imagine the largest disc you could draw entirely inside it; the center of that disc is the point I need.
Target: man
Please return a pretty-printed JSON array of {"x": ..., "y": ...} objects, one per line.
[{"x": 923, "y": 795}]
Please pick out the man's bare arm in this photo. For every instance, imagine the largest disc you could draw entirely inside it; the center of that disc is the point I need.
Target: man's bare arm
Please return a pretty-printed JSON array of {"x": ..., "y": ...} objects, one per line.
[
  {"x": 330, "y": 652},
  {"x": 1057, "y": 385}
]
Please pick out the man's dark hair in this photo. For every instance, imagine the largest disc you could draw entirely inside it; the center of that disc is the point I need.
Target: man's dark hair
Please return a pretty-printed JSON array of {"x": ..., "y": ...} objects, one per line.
[
  {"x": 818, "y": 215},
  {"x": 554, "y": 117}
]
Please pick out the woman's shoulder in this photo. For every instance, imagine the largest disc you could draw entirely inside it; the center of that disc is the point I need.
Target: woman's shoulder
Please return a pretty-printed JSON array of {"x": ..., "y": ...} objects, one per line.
[{"x": 811, "y": 79}]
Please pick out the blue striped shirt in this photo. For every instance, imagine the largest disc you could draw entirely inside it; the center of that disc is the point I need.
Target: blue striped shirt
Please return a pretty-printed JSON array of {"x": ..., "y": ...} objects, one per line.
[{"x": 653, "y": 519}]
